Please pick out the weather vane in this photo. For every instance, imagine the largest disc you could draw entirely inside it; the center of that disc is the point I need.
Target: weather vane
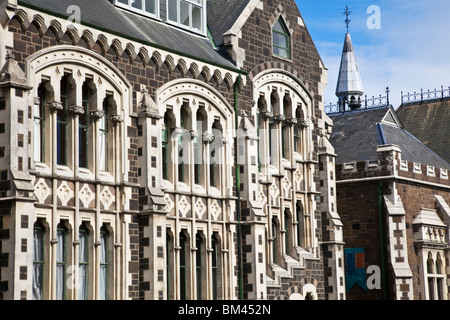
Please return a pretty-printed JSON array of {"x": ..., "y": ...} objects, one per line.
[{"x": 347, "y": 13}]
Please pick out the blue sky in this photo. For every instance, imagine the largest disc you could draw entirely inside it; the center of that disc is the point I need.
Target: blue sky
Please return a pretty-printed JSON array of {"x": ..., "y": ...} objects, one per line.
[{"x": 410, "y": 51}]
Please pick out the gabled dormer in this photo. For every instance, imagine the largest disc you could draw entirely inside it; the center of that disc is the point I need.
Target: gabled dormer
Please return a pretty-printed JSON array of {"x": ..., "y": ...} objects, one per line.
[{"x": 186, "y": 14}]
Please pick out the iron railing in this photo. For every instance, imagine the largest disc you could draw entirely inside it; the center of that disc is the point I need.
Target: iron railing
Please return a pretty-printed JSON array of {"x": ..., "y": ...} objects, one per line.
[
  {"x": 366, "y": 103},
  {"x": 428, "y": 95}
]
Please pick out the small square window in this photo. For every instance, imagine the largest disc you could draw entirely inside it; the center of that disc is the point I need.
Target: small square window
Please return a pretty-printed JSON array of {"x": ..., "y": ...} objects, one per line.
[
  {"x": 20, "y": 116},
  {"x": 20, "y": 140}
]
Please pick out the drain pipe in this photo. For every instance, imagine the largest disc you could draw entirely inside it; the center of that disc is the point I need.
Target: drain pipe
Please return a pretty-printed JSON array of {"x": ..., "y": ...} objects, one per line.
[
  {"x": 380, "y": 222},
  {"x": 238, "y": 191}
]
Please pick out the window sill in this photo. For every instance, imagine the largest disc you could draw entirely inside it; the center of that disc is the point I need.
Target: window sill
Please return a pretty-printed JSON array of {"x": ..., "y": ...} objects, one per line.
[
  {"x": 106, "y": 176},
  {"x": 282, "y": 58},
  {"x": 64, "y": 171},
  {"x": 43, "y": 168}
]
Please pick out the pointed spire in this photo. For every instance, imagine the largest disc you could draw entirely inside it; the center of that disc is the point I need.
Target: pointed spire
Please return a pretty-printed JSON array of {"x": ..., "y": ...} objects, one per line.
[{"x": 349, "y": 87}]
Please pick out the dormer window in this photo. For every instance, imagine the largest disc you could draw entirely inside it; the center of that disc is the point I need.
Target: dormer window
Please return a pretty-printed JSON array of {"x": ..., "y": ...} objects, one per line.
[
  {"x": 146, "y": 7},
  {"x": 281, "y": 39},
  {"x": 188, "y": 14}
]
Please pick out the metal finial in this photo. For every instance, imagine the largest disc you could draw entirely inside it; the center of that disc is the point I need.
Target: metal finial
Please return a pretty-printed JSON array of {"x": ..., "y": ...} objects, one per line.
[{"x": 347, "y": 13}]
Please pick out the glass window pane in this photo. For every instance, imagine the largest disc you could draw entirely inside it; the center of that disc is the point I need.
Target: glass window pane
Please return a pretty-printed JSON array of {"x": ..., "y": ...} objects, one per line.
[
  {"x": 197, "y": 2},
  {"x": 123, "y": 1},
  {"x": 82, "y": 282},
  {"x": 136, "y": 4},
  {"x": 197, "y": 18},
  {"x": 60, "y": 276},
  {"x": 283, "y": 53},
  {"x": 277, "y": 27},
  {"x": 37, "y": 140},
  {"x": 173, "y": 10},
  {"x": 184, "y": 13},
  {"x": 150, "y": 6},
  {"x": 37, "y": 281},
  {"x": 280, "y": 40}
]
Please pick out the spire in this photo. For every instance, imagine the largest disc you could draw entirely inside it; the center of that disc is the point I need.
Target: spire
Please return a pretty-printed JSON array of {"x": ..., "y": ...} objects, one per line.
[{"x": 349, "y": 85}]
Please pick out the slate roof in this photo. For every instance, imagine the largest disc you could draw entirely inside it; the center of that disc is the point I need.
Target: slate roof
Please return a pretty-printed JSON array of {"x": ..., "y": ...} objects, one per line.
[
  {"x": 430, "y": 122},
  {"x": 356, "y": 136},
  {"x": 101, "y": 14},
  {"x": 222, "y": 14}
]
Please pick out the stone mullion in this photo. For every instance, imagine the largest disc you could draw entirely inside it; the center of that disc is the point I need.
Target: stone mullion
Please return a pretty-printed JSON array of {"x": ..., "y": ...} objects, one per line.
[
  {"x": 96, "y": 115},
  {"x": 54, "y": 108},
  {"x": 117, "y": 126}
]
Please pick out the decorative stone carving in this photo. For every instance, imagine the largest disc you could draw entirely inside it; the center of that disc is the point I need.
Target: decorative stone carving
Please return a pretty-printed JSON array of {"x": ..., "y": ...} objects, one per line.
[
  {"x": 76, "y": 110},
  {"x": 298, "y": 177},
  {"x": 55, "y": 106},
  {"x": 106, "y": 198},
  {"x": 41, "y": 190},
  {"x": 200, "y": 209},
  {"x": 184, "y": 207},
  {"x": 170, "y": 203},
  {"x": 116, "y": 119},
  {"x": 215, "y": 210},
  {"x": 64, "y": 193},
  {"x": 86, "y": 195},
  {"x": 286, "y": 184},
  {"x": 274, "y": 195},
  {"x": 97, "y": 114}
]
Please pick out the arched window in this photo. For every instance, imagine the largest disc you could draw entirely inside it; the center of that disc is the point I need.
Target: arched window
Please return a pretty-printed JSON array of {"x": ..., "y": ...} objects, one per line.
[
  {"x": 183, "y": 266},
  {"x": 299, "y": 216},
  {"x": 274, "y": 241},
  {"x": 83, "y": 263},
  {"x": 281, "y": 39},
  {"x": 103, "y": 136},
  {"x": 169, "y": 264},
  {"x": 201, "y": 127},
  {"x": 214, "y": 267},
  {"x": 215, "y": 151},
  {"x": 287, "y": 229},
  {"x": 184, "y": 124},
  {"x": 83, "y": 127},
  {"x": 62, "y": 123},
  {"x": 104, "y": 263},
  {"x": 38, "y": 261},
  {"x": 61, "y": 262},
  {"x": 165, "y": 148},
  {"x": 199, "y": 265},
  {"x": 39, "y": 125}
]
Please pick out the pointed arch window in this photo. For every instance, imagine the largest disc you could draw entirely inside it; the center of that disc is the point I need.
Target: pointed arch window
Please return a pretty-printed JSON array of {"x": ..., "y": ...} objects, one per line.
[
  {"x": 38, "y": 261},
  {"x": 214, "y": 267},
  {"x": 103, "y": 142},
  {"x": 62, "y": 123},
  {"x": 61, "y": 262},
  {"x": 39, "y": 125},
  {"x": 104, "y": 263},
  {"x": 83, "y": 263},
  {"x": 281, "y": 39},
  {"x": 183, "y": 266},
  {"x": 199, "y": 265},
  {"x": 83, "y": 125}
]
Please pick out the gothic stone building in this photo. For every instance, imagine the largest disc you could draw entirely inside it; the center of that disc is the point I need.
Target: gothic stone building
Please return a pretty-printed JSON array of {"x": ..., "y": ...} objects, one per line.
[
  {"x": 164, "y": 149},
  {"x": 393, "y": 195}
]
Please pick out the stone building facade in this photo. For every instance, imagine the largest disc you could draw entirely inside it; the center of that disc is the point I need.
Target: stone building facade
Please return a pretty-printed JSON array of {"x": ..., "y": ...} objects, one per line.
[
  {"x": 171, "y": 156},
  {"x": 393, "y": 196}
]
